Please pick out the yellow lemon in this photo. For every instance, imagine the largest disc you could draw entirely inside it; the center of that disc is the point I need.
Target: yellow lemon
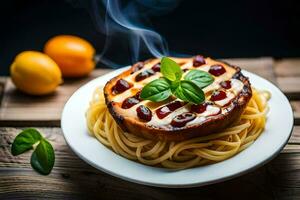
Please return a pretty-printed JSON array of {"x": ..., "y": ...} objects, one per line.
[{"x": 35, "y": 73}]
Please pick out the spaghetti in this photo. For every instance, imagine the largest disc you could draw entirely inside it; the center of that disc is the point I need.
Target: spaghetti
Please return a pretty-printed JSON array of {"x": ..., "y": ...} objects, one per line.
[{"x": 184, "y": 154}]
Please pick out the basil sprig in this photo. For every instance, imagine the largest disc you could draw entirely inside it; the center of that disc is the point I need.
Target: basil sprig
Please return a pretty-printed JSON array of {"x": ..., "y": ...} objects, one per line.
[
  {"x": 43, "y": 157},
  {"x": 189, "y": 92},
  {"x": 189, "y": 89},
  {"x": 157, "y": 90},
  {"x": 200, "y": 78}
]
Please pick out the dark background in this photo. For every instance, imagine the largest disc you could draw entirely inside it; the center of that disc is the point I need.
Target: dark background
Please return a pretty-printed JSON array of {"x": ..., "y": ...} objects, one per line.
[{"x": 218, "y": 29}]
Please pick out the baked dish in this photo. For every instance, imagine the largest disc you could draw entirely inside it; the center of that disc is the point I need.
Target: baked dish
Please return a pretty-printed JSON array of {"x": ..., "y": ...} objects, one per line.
[
  {"x": 178, "y": 112},
  {"x": 225, "y": 99}
]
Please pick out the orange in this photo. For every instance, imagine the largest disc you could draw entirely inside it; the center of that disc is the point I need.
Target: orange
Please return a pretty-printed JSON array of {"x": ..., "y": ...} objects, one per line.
[
  {"x": 73, "y": 55},
  {"x": 35, "y": 73}
]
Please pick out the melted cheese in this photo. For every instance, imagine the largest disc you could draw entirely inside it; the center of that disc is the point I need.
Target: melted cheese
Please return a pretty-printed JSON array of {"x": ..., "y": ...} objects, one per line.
[
  {"x": 223, "y": 102},
  {"x": 155, "y": 121},
  {"x": 210, "y": 111},
  {"x": 236, "y": 87}
]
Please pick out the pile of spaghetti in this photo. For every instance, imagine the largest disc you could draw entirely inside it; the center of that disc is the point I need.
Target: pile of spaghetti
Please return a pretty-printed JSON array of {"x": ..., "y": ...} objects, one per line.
[{"x": 179, "y": 155}]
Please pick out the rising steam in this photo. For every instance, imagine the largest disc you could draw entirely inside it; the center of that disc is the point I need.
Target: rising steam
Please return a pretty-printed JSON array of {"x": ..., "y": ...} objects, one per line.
[{"x": 124, "y": 21}]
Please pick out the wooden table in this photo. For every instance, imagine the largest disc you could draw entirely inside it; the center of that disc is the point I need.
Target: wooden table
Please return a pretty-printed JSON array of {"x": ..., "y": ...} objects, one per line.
[{"x": 72, "y": 178}]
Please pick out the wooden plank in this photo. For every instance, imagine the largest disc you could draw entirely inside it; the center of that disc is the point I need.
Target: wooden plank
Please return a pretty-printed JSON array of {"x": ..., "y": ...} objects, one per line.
[
  {"x": 287, "y": 67},
  {"x": 288, "y": 76},
  {"x": 283, "y": 176},
  {"x": 71, "y": 178},
  {"x": 296, "y": 108},
  {"x": 262, "y": 66},
  {"x": 19, "y": 109},
  {"x": 295, "y": 137},
  {"x": 290, "y": 86},
  {"x": 2, "y": 85}
]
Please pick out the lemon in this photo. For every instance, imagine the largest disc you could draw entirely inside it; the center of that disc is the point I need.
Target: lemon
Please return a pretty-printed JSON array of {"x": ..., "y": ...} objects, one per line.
[{"x": 35, "y": 73}]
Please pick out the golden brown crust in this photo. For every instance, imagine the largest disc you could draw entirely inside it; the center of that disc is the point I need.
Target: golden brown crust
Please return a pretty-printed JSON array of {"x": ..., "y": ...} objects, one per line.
[{"x": 206, "y": 127}]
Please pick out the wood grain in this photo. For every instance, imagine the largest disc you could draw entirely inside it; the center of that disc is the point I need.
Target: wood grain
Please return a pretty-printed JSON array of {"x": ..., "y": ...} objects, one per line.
[
  {"x": 71, "y": 178},
  {"x": 295, "y": 137},
  {"x": 3, "y": 80},
  {"x": 296, "y": 108},
  {"x": 287, "y": 73},
  {"x": 262, "y": 66},
  {"x": 287, "y": 67},
  {"x": 20, "y": 109},
  {"x": 289, "y": 84}
]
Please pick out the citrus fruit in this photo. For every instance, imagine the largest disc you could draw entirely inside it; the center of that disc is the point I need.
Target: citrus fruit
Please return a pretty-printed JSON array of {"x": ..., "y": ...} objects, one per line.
[
  {"x": 35, "y": 73},
  {"x": 74, "y": 55}
]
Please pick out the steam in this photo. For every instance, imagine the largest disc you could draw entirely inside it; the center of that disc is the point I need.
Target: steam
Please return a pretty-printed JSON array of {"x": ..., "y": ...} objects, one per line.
[{"x": 125, "y": 22}]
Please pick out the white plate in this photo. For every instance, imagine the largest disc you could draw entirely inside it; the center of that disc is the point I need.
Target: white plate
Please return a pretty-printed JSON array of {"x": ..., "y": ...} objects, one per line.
[{"x": 277, "y": 132}]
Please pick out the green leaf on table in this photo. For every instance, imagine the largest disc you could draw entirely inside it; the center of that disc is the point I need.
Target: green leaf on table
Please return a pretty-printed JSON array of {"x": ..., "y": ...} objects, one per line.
[
  {"x": 170, "y": 69},
  {"x": 24, "y": 141},
  {"x": 199, "y": 77},
  {"x": 157, "y": 90},
  {"x": 43, "y": 157},
  {"x": 189, "y": 92}
]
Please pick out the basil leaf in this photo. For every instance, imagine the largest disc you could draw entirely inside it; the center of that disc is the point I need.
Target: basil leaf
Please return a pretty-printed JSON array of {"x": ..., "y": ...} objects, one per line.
[
  {"x": 199, "y": 77},
  {"x": 157, "y": 90},
  {"x": 189, "y": 92},
  {"x": 42, "y": 159},
  {"x": 24, "y": 141},
  {"x": 170, "y": 69}
]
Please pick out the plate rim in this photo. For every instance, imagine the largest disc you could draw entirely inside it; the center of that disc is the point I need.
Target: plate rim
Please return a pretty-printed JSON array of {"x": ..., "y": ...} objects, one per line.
[{"x": 163, "y": 185}]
